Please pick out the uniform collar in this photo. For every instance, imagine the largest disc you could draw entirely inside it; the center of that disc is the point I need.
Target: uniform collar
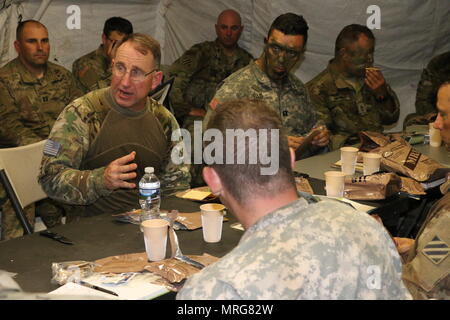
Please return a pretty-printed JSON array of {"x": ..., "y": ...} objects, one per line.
[
  {"x": 264, "y": 79},
  {"x": 125, "y": 111},
  {"x": 279, "y": 213},
  {"x": 339, "y": 80},
  {"x": 26, "y": 75}
]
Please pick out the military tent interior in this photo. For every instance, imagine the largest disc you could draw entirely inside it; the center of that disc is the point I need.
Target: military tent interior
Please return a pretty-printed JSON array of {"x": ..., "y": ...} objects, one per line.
[{"x": 408, "y": 33}]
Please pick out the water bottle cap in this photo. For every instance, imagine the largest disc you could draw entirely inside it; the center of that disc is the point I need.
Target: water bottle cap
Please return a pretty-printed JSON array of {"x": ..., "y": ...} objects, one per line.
[{"x": 149, "y": 170}]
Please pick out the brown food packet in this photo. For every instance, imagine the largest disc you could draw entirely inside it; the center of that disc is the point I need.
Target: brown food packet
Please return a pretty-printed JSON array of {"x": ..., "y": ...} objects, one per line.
[
  {"x": 133, "y": 262},
  {"x": 175, "y": 271},
  {"x": 372, "y": 187},
  {"x": 398, "y": 156},
  {"x": 411, "y": 186},
  {"x": 192, "y": 220}
]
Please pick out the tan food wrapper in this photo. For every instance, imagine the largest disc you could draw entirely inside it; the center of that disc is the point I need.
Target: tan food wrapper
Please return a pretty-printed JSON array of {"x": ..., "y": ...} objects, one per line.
[
  {"x": 192, "y": 220},
  {"x": 372, "y": 187},
  {"x": 133, "y": 262},
  {"x": 411, "y": 186},
  {"x": 303, "y": 185},
  {"x": 175, "y": 271},
  {"x": 398, "y": 156}
]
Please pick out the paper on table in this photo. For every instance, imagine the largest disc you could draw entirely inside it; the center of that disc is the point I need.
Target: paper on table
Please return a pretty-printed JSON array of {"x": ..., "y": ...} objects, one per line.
[
  {"x": 358, "y": 206},
  {"x": 75, "y": 289},
  {"x": 137, "y": 288},
  {"x": 196, "y": 195}
]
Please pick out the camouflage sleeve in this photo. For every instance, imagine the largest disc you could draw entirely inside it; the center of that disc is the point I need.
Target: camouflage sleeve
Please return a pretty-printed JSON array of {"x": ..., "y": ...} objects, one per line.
[
  {"x": 427, "y": 274},
  {"x": 183, "y": 69},
  {"x": 76, "y": 89},
  {"x": 78, "y": 69},
  {"x": 213, "y": 289},
  {"x": 390, "y": 108},
  {"x": 60, "y": 176},
  {"x": 174, "y": 176},
  {"x": 426, "y": 92},
  {"x": 319, "y": 103},
  {"x": 13, "y": 132}
]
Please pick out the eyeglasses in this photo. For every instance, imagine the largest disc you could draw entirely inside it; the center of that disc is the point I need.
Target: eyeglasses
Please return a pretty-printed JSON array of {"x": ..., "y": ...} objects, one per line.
[
  {"x": 136, "y": 75},
  {"x": 277, "y": 49}
]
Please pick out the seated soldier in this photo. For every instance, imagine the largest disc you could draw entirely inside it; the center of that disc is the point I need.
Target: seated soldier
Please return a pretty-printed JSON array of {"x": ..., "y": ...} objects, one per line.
[
  {"x": 269, "y": 78},
  {"x": 201, "y": 68},
  {"x": 294, "y": 247},
  {"x": 102, "y": 142},
  {"x": 436, "y": 73},
  {"x": 426, "y": 272},
  {"x": 351, "y": 95},
  {"x": 33, "y": 91},
  {"x": 93, "y": 70}
]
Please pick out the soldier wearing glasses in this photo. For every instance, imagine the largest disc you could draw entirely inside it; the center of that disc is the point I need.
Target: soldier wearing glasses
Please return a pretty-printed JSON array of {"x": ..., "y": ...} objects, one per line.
[
  {"x": 268, "y": 78},
  {"x": 101, "y": 142},
  {"x": 93, "y": 70}
]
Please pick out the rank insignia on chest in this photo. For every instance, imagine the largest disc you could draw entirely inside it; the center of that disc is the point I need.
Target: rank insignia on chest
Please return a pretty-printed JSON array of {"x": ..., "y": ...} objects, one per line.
[
  {"x": 436, "y": 250},
  {"x": 285, "y": 113},
  {"x": 44, "y": 99}
]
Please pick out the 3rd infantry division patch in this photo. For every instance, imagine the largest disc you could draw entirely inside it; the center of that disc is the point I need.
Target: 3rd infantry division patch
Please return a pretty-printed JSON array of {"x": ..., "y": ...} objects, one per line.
[{"x": 436, "y": 250}]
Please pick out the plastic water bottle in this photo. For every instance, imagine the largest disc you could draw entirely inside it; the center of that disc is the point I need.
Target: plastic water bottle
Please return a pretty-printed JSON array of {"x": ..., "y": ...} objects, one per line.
[{"x": 149, "y": 195}]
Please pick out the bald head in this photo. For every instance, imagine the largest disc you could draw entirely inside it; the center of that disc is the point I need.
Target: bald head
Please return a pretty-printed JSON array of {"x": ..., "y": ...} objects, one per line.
[
  {"x": 28, "y": 24},
  {"x": 229, "y": 28},
  {"x": 229, "y": 14}
]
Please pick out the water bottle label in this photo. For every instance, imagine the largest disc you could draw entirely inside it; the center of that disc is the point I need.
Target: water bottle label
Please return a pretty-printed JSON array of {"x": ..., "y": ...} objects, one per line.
[{"x": 154, "y": 193}]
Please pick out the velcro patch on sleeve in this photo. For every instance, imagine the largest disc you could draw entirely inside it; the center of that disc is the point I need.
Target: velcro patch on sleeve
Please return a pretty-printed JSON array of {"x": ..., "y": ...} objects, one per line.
[{"x": 51, "y": 148}]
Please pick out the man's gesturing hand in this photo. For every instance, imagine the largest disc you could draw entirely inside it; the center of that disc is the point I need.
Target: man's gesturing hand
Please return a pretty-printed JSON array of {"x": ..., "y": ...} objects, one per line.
[{"x": 118, "y": 171}]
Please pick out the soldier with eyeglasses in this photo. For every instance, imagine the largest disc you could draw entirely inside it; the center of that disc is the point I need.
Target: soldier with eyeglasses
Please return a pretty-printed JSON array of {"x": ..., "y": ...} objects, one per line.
[
  {"x": 102, "y": 142},
  {"x": 269, "y": 79}
]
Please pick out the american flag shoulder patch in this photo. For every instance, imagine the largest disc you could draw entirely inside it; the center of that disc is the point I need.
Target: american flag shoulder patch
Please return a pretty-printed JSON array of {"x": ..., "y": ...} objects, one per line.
[
  {"x": 51, "y": 148},
  {"x": 436, "y": 250}
]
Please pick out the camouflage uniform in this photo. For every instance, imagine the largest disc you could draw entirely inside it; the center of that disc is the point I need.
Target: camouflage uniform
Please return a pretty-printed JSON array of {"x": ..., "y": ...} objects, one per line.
[
  {"x": 74, "y": 176},
  {"x": 436, "y": 72},
  {"x": 427, "y": 269},
  {"x": 345, "y": 111},
  {"x": 28, "y": 108},
  {"x": 93, "y": 70},
  {"x": 292, "y": 101},
  {"x": 198, "y": 72},
  {"x": 324, "y": 250}
]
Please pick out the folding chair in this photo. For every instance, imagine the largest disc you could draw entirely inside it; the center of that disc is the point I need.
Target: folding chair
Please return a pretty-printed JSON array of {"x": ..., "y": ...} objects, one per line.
[
  {"x": 161, "y": 94},
  {"x": 19, "y": 170}
]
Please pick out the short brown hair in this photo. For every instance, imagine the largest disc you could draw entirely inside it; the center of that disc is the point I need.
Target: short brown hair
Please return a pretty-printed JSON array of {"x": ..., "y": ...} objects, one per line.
[
  {"x": 144, "y": 44},
  {"x": 350, "y": 34},
  {"x": 245, "y": 180}
]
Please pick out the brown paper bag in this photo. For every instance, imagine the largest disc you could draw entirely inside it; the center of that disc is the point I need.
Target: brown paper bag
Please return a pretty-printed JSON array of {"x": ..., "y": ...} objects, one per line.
[
  {"x": 398, "y": 156},
  {"x": 372, "y": 187},
  {"x": 175, "y": 271}
]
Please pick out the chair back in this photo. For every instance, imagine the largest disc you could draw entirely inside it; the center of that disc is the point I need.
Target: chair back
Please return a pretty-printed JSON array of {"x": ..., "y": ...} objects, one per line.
[{"x": 22, "y": 165}]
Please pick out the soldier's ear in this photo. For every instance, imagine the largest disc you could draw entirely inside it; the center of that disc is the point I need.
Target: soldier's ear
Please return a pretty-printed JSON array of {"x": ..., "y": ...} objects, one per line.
[
  {"x": 104, "y": 38},
  {"x": 17, "y": 46},
  {"x": 157, "y": 78},
  {"x": 213, "y": 180},
  {"x": 292, "y": 154}
]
